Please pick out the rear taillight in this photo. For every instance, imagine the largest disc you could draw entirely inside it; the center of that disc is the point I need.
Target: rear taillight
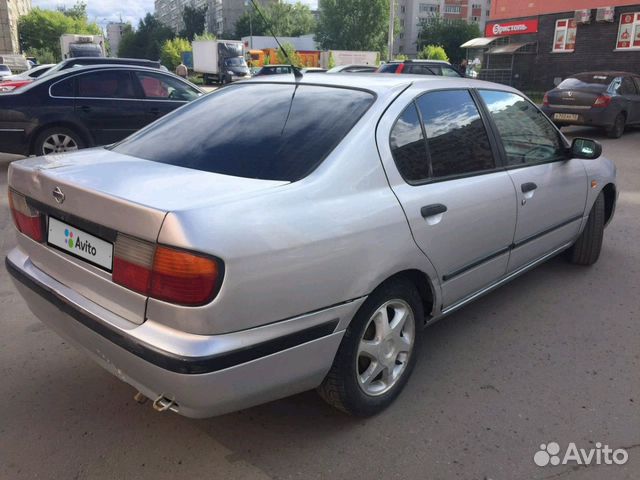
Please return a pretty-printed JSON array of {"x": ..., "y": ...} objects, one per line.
[
  {"x": 27, "y": 219},
  {"x": 545, "y": 100},
  {"x": 165, "y": 273},
  {"x": 602, "y": 101}
]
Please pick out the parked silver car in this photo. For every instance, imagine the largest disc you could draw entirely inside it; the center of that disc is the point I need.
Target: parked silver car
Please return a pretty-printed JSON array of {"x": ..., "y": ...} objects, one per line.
[{"x": 274, "y": 237}]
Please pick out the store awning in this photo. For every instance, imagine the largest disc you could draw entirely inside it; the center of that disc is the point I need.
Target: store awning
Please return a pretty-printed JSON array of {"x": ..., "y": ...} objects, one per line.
[
  {"x": 479, "y": 42},
  {"x": 509, "y": 48}
]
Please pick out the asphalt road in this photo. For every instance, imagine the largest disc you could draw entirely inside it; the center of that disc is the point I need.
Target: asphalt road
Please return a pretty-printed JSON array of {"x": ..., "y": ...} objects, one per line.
[{"x": 553, "y": 356}]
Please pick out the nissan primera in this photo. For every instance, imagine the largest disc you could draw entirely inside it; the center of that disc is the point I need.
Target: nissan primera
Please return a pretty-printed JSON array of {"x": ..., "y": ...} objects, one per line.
[{"x": 280, "y": 236}]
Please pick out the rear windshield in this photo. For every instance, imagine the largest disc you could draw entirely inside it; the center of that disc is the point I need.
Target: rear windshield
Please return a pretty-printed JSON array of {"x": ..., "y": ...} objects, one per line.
[
  {"x": 388, "y": 68},
  {"x": 4, "y": 68},
  {"x": 264, "y": 131},
  {"x": 591, "y": 81}
]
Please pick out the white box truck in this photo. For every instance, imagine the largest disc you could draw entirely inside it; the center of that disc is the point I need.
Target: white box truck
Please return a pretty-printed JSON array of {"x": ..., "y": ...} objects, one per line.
[
  {"x": 220, "y": 61},
  {"x": 73, "y": 45},
  {"x": 337, "y": 58}
]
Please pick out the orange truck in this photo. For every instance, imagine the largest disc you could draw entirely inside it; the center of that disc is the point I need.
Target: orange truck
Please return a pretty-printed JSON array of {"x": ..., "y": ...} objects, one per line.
[{"x": 266, "y": 56}]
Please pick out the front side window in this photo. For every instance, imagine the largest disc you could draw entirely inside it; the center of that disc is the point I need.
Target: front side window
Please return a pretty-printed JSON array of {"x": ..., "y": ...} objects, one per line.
[
  {"x": 457, "y": 141},
  {"x": 565, "y": 35},
  {"x": 270, "y": 132},
  {"x": 629, "y": 31},
  {"x": 164, "y": 87},
  {"x": 527, "y": 135},
  {"x": 627, "y": 87},
  {"x": 105, "y": 84}
]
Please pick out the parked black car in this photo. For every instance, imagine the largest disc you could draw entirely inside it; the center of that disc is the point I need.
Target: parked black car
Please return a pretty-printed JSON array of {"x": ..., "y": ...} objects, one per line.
[
  {"x": 86, "y": 61},
  {"x": 420, "y": 67},
  {"x": 87, "y": 106},
  {"x": 601, "y": 99}
]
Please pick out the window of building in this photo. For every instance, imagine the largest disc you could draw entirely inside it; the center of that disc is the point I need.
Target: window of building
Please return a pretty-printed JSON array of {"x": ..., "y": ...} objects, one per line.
[
  {"x": 476, "y": 6},
  {"x": 564, "y": 39},
  {"x": 629, "y": 31},
  {"x": 428, "y": 8},
  {"x": 455, "y": 9}
]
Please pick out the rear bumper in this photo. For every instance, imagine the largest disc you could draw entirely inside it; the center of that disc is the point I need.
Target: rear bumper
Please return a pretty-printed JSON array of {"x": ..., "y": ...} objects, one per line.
[
  {"x": 14, "y": 140},
  {"x": 204, "y": 375},
  {"x": 596, "y": 117}
]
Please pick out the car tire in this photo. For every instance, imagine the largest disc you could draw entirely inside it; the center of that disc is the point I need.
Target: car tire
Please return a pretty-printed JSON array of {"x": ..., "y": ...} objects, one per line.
[
  {"x": 617, "y": 129},
  {"x": 57, "y": 140},
  {"x": 345, "y": 386},
  {"x": 586, "y": 249}
]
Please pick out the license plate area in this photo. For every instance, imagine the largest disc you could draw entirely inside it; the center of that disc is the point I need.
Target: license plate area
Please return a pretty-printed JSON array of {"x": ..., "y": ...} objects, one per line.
[
  {"x": 80, "y": 244},
  {"x": 565, "y": 116}
]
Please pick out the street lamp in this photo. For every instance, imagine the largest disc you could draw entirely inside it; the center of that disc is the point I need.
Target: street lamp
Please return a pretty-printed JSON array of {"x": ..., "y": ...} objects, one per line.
[{"x": 392, "y": 21}]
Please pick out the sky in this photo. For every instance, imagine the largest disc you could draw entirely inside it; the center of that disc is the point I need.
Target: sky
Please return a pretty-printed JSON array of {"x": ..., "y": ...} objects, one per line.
[{"x": 105, "y": 11}]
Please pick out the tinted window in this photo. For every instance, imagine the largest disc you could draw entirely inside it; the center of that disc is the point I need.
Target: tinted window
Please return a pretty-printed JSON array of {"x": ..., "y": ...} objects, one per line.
[
  {"x": 408, "y": 146},
  {"x": 627, "y": 87},
  {"x": 456, "y": 138},
  {"x": 64, "y": 88},
  {"x": 527, "y": 135},
  {"x": 589, "y": 81},
  {"x": 105, "y": 84},
  {"x": 155, "y": 85},
  {"x": 271, "y": 132},
  {"x": 450, "y": 72},
  {"x": 388, "y": 68}
]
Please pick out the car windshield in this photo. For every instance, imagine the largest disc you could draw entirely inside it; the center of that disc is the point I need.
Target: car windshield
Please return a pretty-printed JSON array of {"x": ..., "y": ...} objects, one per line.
[
  {"x": 235, "y": 62},
  {"x": 270, "y": 132},
  {"x": 591, "y": 81}
]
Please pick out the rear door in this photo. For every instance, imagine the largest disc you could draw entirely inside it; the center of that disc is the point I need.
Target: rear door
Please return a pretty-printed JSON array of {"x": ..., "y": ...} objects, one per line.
[
  {"x": 460, "y": 204},
  {"x": 162, "y": 93},
  {"x": 550, "y": 185},
  {"x": 630, "y": 92},
  {"x": 107, "y": 104}
]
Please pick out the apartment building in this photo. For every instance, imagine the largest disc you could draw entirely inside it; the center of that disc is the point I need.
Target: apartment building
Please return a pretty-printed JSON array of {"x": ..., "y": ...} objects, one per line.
[
  {"x": 413, "y": 13},
  {"x": 10, "y": 12},
  {"x": 221, "y": 17},
  {"x": 114, "y": 35}
]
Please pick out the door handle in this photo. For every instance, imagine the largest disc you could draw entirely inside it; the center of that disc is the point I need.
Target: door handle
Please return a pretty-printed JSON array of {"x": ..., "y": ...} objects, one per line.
[
  {"x": 528, "y": 187},
  {"x": 433, "y": 209}
]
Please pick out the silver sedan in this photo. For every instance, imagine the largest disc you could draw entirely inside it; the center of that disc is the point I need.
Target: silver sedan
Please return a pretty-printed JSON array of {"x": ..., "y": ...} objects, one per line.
[{"x": 280, "y": 236}]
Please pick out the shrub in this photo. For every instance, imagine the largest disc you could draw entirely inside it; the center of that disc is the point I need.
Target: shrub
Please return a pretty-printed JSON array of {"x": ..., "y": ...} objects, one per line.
[
  {"x": 433, "y": 52},
  {"x": 171, "y": 52}
]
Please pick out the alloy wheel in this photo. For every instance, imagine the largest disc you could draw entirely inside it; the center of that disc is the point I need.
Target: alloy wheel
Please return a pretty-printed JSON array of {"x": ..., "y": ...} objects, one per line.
[
  {"x": 385, "y": 347},
  {"x": 58, "y": 143}
]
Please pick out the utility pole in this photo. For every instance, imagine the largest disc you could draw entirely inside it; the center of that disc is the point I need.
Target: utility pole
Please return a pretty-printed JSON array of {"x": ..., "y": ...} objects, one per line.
[
  {"x": 392, "y": 21},
  {"x": 247, "y": 3}
]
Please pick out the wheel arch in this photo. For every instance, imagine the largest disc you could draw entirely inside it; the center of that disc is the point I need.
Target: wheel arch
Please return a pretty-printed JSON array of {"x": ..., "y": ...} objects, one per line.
[
  {"x": 610, "y": 196},
  {"x": 423, "y": 284},
  {"x": 81, "y": 130}
]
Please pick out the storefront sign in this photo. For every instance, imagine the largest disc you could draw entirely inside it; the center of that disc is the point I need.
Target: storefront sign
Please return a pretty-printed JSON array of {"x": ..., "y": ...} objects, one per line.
[{"x": 517, "y": 27}]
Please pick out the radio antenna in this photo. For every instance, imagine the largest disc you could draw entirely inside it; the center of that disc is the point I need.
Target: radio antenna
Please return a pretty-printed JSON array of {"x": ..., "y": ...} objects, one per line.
[{"x": 296, "y": 72}]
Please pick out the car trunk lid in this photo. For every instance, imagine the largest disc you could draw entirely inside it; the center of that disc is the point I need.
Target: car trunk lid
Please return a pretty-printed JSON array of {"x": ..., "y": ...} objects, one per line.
[
  {"x": 100, "y": 194},
  {"x": 574, "y": 98}
]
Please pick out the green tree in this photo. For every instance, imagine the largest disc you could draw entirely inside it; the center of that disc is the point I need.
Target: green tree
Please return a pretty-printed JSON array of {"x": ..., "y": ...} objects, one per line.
[
  {"x": 42, "y": 55},
  {"x": 353, "y": 24},
  {"x": 194, "y": 19},
  {"x": 449, "y": 34},
  {"x": 41, "y": 29},
  {"x": 79, "y": 10},
  {"x": 433, "y": 52},
  {"x": 171, "y": 52},
  {"x": 205, "y": 36},
  {"x": 291, "y": 52},
  {"x": 287, "y": 20},
  {"x": 146, "y": 41}
]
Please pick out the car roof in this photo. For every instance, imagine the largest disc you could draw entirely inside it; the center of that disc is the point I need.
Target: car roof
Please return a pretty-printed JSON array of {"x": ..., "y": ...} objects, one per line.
[
  {"x": 418, "y": 60},
  {"x": 109, "y": 60},
  {"x": 607, "y": 73},
  {"x": 380, "y": 83}
]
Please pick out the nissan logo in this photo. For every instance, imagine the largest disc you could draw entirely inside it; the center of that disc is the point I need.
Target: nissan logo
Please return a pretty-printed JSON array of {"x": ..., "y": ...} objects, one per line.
[{"x": 58, "y": 195}]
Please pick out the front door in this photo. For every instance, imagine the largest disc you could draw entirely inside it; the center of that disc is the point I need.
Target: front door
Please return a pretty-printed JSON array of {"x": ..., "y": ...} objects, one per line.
[
  {"x": 460, "y": 205},
  {"x": 106, "y": 104},
  {"x": 551, "y": 186}
]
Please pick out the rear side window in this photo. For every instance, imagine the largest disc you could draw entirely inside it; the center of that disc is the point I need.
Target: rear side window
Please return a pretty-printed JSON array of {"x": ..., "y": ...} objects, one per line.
[
  {"x": 627, "y": 87},
  {"x": 457, "y": 140},
  {"x": 63, "y": 88},
  {"x": 269, "y": 132},
  {"x": 105, "y": 84},
  {"x": 408, "y": 146}
]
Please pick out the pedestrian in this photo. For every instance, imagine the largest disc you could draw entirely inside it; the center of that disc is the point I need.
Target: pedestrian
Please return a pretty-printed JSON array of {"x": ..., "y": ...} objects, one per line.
[
  {"x": 463, "y": 67},
  {"x": 181, "y": 70}
]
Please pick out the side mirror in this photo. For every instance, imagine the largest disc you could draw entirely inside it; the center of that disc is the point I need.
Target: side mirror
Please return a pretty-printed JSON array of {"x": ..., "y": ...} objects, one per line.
[{"x": 585, "y": 149}]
